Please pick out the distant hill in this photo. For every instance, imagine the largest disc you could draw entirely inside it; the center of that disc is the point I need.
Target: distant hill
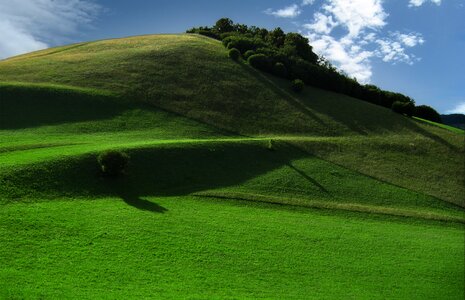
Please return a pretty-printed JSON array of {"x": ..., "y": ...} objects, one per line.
[{"x": 456, "y": 120}]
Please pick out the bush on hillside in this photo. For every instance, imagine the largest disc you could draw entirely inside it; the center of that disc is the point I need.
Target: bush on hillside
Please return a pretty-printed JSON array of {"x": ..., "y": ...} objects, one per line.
[
  {"x": 409, "y": 109},
  {"x": 113, "y": 163},
  {"x": 248, "y": 54},
  {"x": 243, "y": 44},
  {"x": 398, "y": 107},
  {"x": 428, "y": 113},
  {"x": 280, "y": 70},
  {"x": 260, "y": 61},
  {"x": 296, "y": 54},
  {"x": 234, "y": 54},
  {"x": 405, "y": 108},
  {"x": 298, "y": 85}
]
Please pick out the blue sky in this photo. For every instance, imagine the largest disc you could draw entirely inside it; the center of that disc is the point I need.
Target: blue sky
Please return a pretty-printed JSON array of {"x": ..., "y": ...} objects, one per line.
[{"x": 415, "y": 47}]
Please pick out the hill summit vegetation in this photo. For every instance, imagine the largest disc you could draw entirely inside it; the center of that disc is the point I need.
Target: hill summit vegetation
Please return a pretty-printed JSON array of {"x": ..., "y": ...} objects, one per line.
[{"x": 290, "y": 56}]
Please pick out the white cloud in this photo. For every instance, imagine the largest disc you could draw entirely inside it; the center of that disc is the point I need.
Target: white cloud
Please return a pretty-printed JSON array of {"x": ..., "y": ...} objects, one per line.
[
  {"x": 307, "y": 2},
  {"x": 459, "y": 109},
  {"x": 287, "y": 12},
  {"x": 361, "y": 23},
  {"x": 410, "y": 40},
  {"x": 347, "y": 56},
  {"x": 416, "y": 3},
  {"x": 357, "y": 15},
  {"x": 393, "y": 49},
  {"x": 322, "y": 24},
  {"x": 28, "y": 25}
]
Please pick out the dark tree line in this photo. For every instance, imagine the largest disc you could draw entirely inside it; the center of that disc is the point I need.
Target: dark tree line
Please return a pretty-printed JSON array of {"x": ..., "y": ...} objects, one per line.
[{"x": 290, "y": 56}]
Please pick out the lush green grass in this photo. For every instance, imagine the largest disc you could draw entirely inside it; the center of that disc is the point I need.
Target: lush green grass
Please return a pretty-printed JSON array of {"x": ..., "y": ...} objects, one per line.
[
  {"x": 215, "y": 249},
  {"x": 213, "y": 167},
  {"x": 451, "y": 128},
  {"x": 227, "y": 169}
]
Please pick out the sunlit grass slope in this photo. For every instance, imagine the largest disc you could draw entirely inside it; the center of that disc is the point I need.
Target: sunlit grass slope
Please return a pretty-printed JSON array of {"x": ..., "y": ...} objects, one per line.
[
  {"x": 192, "y": 75},
  {"x": 180, "y": 247}
]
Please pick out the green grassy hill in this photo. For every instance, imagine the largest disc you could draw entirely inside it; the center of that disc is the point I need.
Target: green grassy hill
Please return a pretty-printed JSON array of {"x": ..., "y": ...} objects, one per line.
[{"x": 222, "y": 150}]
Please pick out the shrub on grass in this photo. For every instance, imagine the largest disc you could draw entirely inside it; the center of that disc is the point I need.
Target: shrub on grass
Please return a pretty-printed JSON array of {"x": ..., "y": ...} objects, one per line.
[
  {"x": 280, "y": 70},
  {"x": 234, "y": 54},
  {"x": 248, "y": 54},
  {"x": 405, "y": 108},
  {"x": 259, "y": 61},
  {"x": 398, "y": 107},
  {"x": 428, "y": 113},
  {"x": 113, "y": 163},
  {"x": 298, "y": 85}
]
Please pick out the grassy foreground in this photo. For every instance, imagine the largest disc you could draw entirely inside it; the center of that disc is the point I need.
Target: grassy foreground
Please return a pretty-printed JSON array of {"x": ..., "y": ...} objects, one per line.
[{"x": 179, "y": 247}]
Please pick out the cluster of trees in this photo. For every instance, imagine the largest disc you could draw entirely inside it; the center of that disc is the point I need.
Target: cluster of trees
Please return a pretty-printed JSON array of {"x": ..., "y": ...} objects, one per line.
[{"x": 289, "y": 55}]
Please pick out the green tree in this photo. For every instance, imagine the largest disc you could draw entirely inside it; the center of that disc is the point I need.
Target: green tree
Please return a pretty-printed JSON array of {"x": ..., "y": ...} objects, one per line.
[
  {"x": 276, "y": 37},
  {"x": 224, "y": 25}
]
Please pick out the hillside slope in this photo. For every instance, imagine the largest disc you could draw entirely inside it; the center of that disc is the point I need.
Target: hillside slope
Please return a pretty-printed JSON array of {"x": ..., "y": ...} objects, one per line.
[
  {"x": 236, "y": 188},
  {"x": 191, "y": 75}
]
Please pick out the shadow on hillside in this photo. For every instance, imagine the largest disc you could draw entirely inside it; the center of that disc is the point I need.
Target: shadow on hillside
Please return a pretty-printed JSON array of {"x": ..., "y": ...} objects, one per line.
[
  {"x": 308, "y": 178},
  {"x": 296, "y": 103},
  {"x": 357, "y": 115},
  {"x": 139, "y": 203},
  {"x": 157, "y": 172},
  {"x": 25, "y": 107}
]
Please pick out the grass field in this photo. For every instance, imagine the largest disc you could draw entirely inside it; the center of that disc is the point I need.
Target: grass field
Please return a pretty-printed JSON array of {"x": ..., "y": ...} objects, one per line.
[
  {"x": 236, "y": 187},
  {"x": 182, "y": 247}
]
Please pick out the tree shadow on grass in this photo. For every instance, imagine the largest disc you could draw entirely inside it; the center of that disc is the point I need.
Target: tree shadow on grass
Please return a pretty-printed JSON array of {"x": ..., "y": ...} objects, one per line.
[
  {"x": 30, "y": 106},
  {"x": 308, "y": 178},
  {"x": 139, "y": 203},
  {"x": 163, "y": 171}
]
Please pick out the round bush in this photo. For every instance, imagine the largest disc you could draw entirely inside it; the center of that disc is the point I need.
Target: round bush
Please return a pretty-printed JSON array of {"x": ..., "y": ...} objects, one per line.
[
  {"x": 280, "y": 70},
  {"x": 428, "y": 113},
  {"x": 298, "y": 85},
  {"x": 405, "y": 108},
  {"x": 234, "y": 54},
  {"x": 248, "y": 54},
  {"x": 259, "y": 61},
  {"x": 113, "y": 163},
  {"x": 398, "y": 107}
]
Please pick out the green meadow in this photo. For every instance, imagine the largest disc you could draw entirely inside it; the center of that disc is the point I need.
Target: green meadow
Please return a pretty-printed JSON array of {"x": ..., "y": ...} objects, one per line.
[{"x": 236, "y": 186}]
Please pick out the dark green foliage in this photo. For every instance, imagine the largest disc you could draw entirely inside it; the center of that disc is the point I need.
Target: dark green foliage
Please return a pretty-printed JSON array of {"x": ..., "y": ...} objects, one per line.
[
  {"x": 224, "y": 25},
  {"x": 406, "y": 108},
  {"x": 409, "y": 108},
  {"x": 298, "y": 44},
  {"x": 234, "y": 54},
  {"x": 276, "y": 37},
  {"x": 298, "y": 85},
  {"x": 243, "y": 44},
  {"x": 279, "y": 69},
  {"x": 205, "y": 31},
  {"x": 398, "y": 107},
  {"x": 293, "y": 51},
  {"x": 260, "y": 61},
  {"x": 248, "y": 54},
  {"x": 113, "y": 163},
  {"x": 428, "y": 113}
]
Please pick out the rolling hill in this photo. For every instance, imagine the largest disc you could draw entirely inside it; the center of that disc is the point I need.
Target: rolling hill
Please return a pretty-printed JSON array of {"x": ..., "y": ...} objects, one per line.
[{"x": 228, "y": 168}]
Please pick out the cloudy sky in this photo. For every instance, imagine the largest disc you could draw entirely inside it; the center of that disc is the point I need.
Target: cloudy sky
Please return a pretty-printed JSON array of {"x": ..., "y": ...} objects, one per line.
[{"x": 415, "y": 47}]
